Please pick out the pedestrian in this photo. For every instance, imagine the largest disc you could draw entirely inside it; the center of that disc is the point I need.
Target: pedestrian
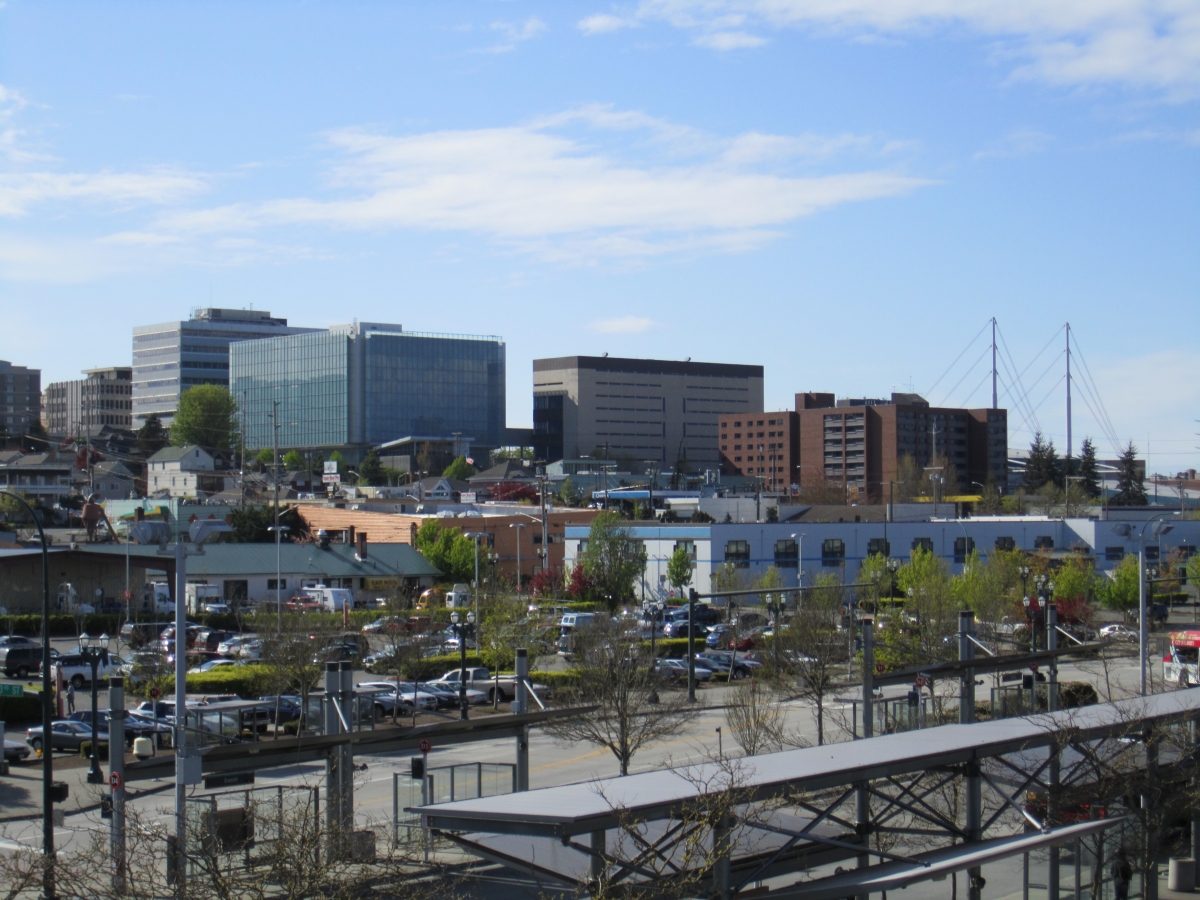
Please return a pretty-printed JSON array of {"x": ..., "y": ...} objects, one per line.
[
  {"x": 70, "y": 699},
  {"x": 1122, "y": 874}
]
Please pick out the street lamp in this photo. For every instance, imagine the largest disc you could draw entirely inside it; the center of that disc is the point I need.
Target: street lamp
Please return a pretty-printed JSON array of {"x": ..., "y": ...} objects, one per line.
[
  {"x": 652, "y": 610},
  {"x": 519, "y": 526},
  {"x": 95, "y": 651},
  {"x": 1125, "y": 530},
  {"x": 475, "y": 536},
  {"x": 47, "y": 715},
  {"x": 462, "y": 630},
  {"x": 799, "y": 539},
  {"x": 278, "y": 529}
]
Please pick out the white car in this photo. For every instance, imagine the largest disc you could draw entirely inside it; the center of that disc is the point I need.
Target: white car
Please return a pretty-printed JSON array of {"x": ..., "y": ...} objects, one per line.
[
  {"x": 244, "y": 646},
  {"x": 1119, "y": 632},
  {"x": 212, "y": 664},
  {"x": 217, "y": 608},
  {"x": 405, "y": 694},
  {"x": 77, "y": 671}
]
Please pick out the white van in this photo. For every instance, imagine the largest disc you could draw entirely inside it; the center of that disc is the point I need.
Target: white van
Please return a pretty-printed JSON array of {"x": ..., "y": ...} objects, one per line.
[
  {"x": 199, "y": 595},
  {"x": 331, "y": 599},
  {"x": 156, "y": 599},
  {"x": 459, "y": 598}
]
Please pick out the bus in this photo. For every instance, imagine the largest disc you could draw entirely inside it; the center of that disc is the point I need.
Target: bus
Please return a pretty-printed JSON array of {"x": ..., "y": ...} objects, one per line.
[{"x": 1182, "y": 662}]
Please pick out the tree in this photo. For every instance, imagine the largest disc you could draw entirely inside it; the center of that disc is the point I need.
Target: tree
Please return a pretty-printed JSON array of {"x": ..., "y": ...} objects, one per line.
[
  {"x": 207, "y": 416},
  {"x": 336, "y": 457},
  {"x": 991, "y": 502},
  {"x": 251, "y": 524},
  {"x": 612, "y": 675},
  {"x": 1089, "y": 468},
  {"x": 448, "y": 549},
  {"x": 1043, "y": 465},
  {"x": 1120, "y": 593},
  {"x": 152, "y": 437},
  {"x": 568, "y": 493},
  {"x": 679, "y": 568},
  {"x": 1131, "y": 486},
  {"x": 265, "y": 457},
  {"x": 1193, "y": 570},
  {"x": 755, "y": 717},
  {"x": 293, "y": 461},
  {"x": 370, "y": 471},
  {"x": 35, "y": 439},
  {"x": 459, "y": 470},
  {"x": 908, "y": 479},
  {"x": 613, "y": 561},
  {"x": 699, "y": 517}
]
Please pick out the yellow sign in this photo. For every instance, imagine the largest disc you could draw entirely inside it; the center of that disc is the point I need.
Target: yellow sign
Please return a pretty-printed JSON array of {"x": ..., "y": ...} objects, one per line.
[{"x": 381, "y": 584}]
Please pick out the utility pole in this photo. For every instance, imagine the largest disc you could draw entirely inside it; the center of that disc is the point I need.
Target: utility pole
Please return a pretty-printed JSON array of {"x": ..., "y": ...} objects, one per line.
[
  {"x": 995, "y": 403},
  {"x": 1067, "y": 461},
  {"x": 243, "y": 424}
]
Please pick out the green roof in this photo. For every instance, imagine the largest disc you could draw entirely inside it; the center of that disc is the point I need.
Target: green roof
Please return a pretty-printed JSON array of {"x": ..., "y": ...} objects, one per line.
[{"x": 339, "y": 561}]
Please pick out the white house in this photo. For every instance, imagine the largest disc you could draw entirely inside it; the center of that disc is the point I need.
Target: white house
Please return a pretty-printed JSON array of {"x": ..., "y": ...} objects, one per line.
[{"x": 186, "y": 472}]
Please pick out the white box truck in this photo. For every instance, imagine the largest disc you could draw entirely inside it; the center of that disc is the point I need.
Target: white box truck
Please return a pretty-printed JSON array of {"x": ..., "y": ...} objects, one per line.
[
  {"x": 331, "y": 599},
  {"x": 459, "y": 598},
  {"x": 200, "y": 594}
]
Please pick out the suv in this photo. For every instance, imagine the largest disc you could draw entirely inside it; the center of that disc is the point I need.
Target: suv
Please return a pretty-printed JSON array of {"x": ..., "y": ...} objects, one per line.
[
  {"x": 21, "y": 661},
  {"x": 78, "y": 671}
]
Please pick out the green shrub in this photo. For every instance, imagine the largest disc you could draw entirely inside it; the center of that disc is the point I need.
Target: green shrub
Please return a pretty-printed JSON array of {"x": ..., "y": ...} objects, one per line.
[
  {"x": 1077, "y": 693},
  {"x": 556, "y": 681},
  {"x": 248, "y": 682},
  {"x": 27, "y": 708},
  {"x": 436, "y": 666},
  {"x": 60, "y": 625},
  {"x": 672, "y": 648}
]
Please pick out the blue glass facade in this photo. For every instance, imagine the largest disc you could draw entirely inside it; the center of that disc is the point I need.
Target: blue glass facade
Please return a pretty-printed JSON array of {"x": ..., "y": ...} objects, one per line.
[{"x": 369, "y": 384}]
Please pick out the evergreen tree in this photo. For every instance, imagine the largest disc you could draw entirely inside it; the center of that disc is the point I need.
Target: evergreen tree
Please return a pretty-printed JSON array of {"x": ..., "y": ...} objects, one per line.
[
  {"x": 35, "y": 439},
  {"x": 152, "y": 437},
  {"x": 459, "y": 470},
  {"x": 679, "y": 568},
  {"x": 1131, "y": 487},
  {"x": 1043, "y": 465},
  {"x": 1088, "y": 468},
  {"x": 370, "y": 471}
]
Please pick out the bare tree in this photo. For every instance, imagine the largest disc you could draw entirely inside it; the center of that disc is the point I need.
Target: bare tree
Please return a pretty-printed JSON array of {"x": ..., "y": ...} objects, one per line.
[
  {"x": 631, "y": 707},
  {"x": 756, "y": 718},
  {"x": 290, "y": 654}
]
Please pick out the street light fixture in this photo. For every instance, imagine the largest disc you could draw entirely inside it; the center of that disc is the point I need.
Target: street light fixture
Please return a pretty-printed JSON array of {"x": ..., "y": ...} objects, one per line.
[
  {"x": 462, "y": 630},
  {"x": 799, "y": 539},
  {"x": 652, "y": 610},
  {"x": 95, "y": 651},
  {"x": 519, "y": 526},
  {"x": 1125, "y": 530}
]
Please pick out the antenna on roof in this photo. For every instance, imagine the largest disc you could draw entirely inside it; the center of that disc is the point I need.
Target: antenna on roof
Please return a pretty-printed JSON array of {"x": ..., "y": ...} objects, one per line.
[{"x": 606, "y": 353}]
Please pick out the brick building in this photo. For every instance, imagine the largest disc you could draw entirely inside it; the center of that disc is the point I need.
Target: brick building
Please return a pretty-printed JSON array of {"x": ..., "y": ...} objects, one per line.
[{"x": 762, "y": 445}]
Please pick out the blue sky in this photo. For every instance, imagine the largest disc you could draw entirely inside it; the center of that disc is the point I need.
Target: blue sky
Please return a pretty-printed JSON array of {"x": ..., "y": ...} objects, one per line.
[{"x": 842, "y": 190}]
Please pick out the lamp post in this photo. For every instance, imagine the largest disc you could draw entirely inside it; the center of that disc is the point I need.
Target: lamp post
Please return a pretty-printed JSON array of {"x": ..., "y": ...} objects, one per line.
[
  {"x": 47, "y": 713},
  {"x": 775, "y": 607},
  {"x": 653, "y": 609},
  {"x": 799, "y": 539},
  {"x": 519, "y": 526},
  {"x": 475, "y": 536},
  {"x": 95, "y": 651},
  {"x": 1125, "y": 530},
  {"x": 461, "y": 631},
  {"x": 893, "y": 566},
  {"x": 278, "y": 529}
]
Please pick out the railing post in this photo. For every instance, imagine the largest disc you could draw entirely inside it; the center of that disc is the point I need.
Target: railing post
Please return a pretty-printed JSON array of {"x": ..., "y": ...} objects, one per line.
[
  {"x": 862, "y": 812},
  {"x": 116, "y": 762},
  {"x": 333, "y": 760},
  {"x": 1054, "y": 857}
]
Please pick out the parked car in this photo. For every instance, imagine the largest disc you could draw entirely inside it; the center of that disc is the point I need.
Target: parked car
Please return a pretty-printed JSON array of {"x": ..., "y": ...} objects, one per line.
[
  {"x": 211, "y": 664},
  {"x": 337, "y": 653},
  {"x": 144, "y": 665},
  {"x": 217, "y": 608},
  {"x": 387, "y": 623},
  {"x": 678, "y": 628},
  {"x": 402, "y": 694},
  {"x": 289, "y": 708},
  {"x": 18, "y": 640},
  {"x": 243, "y": 646},
  {"x": 78, "y": 671},
  {"x": 677, "y": 669},
  {"x": 21, "y": 661},
  {"x": 718, "y": 635},
  {"x": 1119, "y": 632},
  {"x": 722, "y": 661},
  {"x": 64, "y": 735},
  {"x": 135, "y": 726},
  {"x": 448, "y": 697},
  {"x": 747, "y": 640},
  {"x": 213, "y": 638},
  {"x": 15, "y": 751},
  {"x": 504, "y": 687}
]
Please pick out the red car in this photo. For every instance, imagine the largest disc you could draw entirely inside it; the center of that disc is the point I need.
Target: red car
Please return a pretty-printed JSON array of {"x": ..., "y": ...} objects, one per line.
[{"x": 746, "y": 641}]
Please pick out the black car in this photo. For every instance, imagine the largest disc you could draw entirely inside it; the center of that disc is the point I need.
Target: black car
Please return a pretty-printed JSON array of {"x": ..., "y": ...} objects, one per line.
[
  {"x": 135, "y": 726},
  {"x": 21, "y": 660},
  {"x": 289, "y": 708}
]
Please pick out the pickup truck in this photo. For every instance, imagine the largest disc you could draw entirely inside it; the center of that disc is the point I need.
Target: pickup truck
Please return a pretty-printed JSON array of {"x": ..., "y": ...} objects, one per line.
[{"x": 480, "y": 679}]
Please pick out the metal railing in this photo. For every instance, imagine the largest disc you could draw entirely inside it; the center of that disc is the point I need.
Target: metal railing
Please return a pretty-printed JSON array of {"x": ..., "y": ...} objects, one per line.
[{"x": 445, "y": 784}]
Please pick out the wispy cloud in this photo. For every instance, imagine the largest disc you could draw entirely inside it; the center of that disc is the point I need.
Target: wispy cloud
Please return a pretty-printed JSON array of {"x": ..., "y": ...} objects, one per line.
[
  {"x": 537, "y": 190},
  {"x": 1151, "y": 44},
  {"x": 1019, "y": 142},
  {"x": 622, "y": 325},
  {"x": 19, "y": 192},
  {"x": 603, "y": 23},
  {"x": 517, "y": 33}
]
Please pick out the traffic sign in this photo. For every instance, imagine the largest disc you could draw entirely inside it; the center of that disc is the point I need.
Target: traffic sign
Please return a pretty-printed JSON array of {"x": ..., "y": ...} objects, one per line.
[
  {"x": 424, "y": 746},
  {"x": 879, "y": 668},
  {"x": 153, "y": 693},
  {"x": 11, "y": 690},
  {"x": 115, "y": 780},
  {"x": 919, "y": 682},
  {"x": 128, "y": 596}
]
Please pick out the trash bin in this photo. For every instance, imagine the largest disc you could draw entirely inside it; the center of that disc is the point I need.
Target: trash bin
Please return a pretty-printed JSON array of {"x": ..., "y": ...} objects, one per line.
[{"x": 1181, "y": 874}]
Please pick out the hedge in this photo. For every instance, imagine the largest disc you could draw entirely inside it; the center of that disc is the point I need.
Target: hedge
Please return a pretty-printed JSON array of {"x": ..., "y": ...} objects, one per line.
[
  {"x": 245, "y": 681},
  {"x": 27, "y": 708},
  {"x": 60, "y": 625},
  {"x": 673, "y": 648},
  {"x": 436, "y": 666},
  {"x": 555, "y": 680}
]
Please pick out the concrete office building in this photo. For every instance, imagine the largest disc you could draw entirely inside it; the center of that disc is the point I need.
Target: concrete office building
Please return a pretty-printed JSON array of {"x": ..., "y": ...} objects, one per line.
[
  {"x": 367, "y": 384},
  {"x": 639, "y": 409},
  {"x": 859, "y": 442},
  {"x": 104, "y": 397},
  {"x": 20, "y": 398},
  {"x": 174, "y": 356}
]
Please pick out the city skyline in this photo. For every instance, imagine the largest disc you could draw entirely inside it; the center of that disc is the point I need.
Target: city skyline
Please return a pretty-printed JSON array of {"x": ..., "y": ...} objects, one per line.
[{"x": 857, "y": 192}]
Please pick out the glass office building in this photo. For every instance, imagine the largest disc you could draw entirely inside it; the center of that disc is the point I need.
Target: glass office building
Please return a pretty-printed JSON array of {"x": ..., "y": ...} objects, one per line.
[
  {"x": 368, "y": 384},
  {"x": 174, "y": 356}
]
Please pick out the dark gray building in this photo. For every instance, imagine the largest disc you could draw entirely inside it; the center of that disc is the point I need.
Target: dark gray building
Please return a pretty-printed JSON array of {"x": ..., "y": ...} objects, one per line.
[
  {"x": 20, "y": 397},
  {"x": 638, "y": 409}
]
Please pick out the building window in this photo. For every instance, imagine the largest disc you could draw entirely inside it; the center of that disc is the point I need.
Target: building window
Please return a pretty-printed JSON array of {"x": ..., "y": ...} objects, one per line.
[
  {"x": 787, "y": 554},
  {"x": 963, "y": 547},
  {"x": 833, "y": 552},
  {"x": 738, "y": 553},
  {"x": 1006, "y": 544},
  {"x": 1114, "y": 554},
  {"x": 1152, "y": 553},
  {"x": 689, "y": 546},
  {"x": 879, "y": 547},
  {"x": 272, "y": 586},
  {"x": 922, "y": 543},
  {"x": 1043, "y": 542}
]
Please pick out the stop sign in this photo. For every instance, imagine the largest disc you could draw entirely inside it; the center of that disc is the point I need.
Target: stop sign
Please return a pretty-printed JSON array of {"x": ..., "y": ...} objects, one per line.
[
  {"x": 879, "y": 668},
  {"x": 153, "y": 693},
  {"x": 424, "y": 746}
]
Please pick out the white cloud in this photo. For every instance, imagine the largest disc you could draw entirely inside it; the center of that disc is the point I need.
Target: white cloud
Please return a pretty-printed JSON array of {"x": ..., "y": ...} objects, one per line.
[
  {"x": 1019, "y": 142},
  {"x": 622, "y": 325},
  {"x": 728, "y": 40},
  {"x": 535, "y": 190},
  {"x": 22, "y": 190},
  {"x": 602, "y": 23},
  {"x": 517, "y": 33},
  {"x": 1141, "y": 43}
]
